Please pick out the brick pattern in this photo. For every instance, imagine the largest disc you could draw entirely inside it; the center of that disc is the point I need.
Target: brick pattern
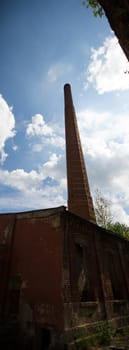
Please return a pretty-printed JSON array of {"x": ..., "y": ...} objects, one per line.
[
  {"x": 105, "y": 262},
  {"x": 79, "y": 197}
]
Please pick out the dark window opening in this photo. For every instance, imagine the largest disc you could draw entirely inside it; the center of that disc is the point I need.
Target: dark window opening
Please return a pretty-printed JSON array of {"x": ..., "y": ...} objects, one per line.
[
  {"x": 84, "y": 280},
  {"x": 116, "y": 277},
  {"x": 87, "y": 294},
  {"x": 79, "y": 259},
  {"x": 45, "y": 338}
]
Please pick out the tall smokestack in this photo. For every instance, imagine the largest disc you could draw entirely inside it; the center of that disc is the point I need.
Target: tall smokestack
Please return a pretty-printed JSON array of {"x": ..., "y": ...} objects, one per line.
[{"x": 79, "y": 197}]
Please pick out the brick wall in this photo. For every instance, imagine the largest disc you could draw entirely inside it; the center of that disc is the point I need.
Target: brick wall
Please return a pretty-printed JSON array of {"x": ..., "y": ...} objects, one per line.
[
  {"x": 97, "y": 270},
  {"x": 34, "y": 270}
]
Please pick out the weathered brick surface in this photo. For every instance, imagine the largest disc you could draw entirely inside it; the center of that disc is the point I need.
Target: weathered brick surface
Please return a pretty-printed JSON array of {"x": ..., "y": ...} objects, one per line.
[
  {"x": 105, "y": 266},
  {"x": 33, "y": 274},
  {"x": 79, "y": 197},
  {"x": 62, "y": 273}
]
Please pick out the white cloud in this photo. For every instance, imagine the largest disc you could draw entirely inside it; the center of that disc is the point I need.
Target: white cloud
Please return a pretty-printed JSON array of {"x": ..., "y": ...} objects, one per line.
[
  {"x": 35, "y": 189},
  {"x": 37, "y": 147},
  {"x": 107, "y": 68},
  {"x": 57, "y": 70},
  {"x": 15, "y": 148},
  {"x": 54, "y": 167},
  {"x": 106, "y": 147},
  {"x": 55, "y": 140},
  {"x": 38, "y": 127},
  {"x": 7, "y": 125},
  {"x": 47, "y": 134},
  {"x": 19, "y": 179}
]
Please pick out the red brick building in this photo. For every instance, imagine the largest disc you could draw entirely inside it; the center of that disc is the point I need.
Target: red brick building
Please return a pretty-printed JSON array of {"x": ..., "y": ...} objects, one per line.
[{"x": 60, "y": 273}]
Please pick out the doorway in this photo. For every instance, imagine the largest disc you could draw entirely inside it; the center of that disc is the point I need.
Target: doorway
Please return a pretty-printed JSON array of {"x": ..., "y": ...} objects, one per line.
[{"x": 45, "y": 338}]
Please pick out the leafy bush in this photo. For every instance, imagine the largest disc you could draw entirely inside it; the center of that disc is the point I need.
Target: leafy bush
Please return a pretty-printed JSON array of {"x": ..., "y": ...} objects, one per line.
[{"x": 105, "y": 333}]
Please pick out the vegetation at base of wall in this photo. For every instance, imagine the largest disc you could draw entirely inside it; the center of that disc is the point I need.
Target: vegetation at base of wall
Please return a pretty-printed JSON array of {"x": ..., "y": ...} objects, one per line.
[
  {"x": 121, "y": 332},
  {"x": 87, "y": 343},
  {"x": 96, "y": 7},
  {"x": 105, "y": 333},
  {"x": 102, "y": 337}
]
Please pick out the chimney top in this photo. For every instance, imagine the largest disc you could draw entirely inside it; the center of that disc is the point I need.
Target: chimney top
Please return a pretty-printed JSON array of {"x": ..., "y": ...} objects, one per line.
[{"x": 67, "y": 85}]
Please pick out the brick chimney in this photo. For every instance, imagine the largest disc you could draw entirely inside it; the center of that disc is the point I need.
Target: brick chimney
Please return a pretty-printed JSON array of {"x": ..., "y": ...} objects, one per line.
[{"x": 79, "y": 197}]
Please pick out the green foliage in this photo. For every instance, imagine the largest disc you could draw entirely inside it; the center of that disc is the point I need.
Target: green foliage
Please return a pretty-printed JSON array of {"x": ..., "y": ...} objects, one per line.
[
  {"x": 120, "y": 229},
  {"x": 102, "y": 337},
  {"x": 94, "y": 4},
  {"x": 87, "y": 343},
  {"x": 104, "y": 216},
  {"x": 83, "y": 344},
  {"x": 105, "y": 333}
]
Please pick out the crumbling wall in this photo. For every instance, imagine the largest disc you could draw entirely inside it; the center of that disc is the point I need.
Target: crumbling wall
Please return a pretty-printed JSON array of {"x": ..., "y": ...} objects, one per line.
[
  {"x": 59, "y": 273},
  {"x": 97, "y": 278},
  {"x": 31, "y": 282},
  {"x": 37, "y": 257}
]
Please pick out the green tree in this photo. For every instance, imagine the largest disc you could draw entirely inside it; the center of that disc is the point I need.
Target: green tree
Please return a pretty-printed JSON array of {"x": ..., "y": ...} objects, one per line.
[
  {"x": 104, "y": 216},
  {"x": 96, "y": 7},
  {"x": 120, "y": 229}
]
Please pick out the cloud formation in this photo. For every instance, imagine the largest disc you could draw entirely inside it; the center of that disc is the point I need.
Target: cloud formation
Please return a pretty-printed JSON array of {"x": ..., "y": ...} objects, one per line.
[
  {"x": 7, "y": 125},
  {"x": 38, "y": 127},
  {"x": 106, "y": 147},
  {"x": 107, "y": 69},
  {"x": 46, "y": 134},
  {"x": 30, "y": 181},
  {"x": 57, "y": 70},
  {"x": 35, "y": 189}
]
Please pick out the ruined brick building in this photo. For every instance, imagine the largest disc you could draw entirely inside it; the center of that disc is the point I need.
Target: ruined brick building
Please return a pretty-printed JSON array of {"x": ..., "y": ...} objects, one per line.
[{"x": 61, "y": 274}]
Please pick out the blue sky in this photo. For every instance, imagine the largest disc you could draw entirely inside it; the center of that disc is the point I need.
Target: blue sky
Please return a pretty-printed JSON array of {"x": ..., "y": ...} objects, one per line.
[{"x": 44, "y": 45}]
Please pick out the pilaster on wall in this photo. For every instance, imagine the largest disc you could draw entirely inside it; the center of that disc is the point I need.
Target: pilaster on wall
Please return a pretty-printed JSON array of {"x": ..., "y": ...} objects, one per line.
[
  {"x": 6, "y": 248},
  {"x": 79, "y": 197}
]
